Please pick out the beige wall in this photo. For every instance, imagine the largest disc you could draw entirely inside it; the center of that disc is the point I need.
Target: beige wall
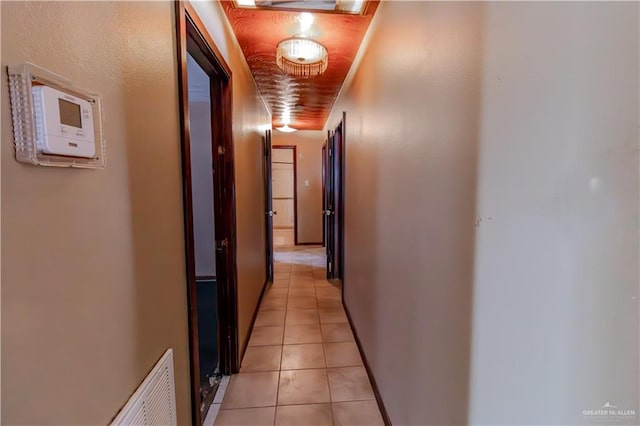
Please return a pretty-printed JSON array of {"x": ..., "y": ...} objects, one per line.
[
  {"x": 308, "y": 145},
  {"x": 492, "y": 210},
  {"x": 555, "y": 311},
  {"x": 93, "y": 285},
  {"x": 251, "y": 119}
]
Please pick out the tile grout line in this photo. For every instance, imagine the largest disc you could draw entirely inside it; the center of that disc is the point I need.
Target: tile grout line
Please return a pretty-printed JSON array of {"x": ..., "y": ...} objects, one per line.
[
  {"x": 275, "y": 410},
  {"x": 326, "y": 361},
  {"x": 304, "y": 260},
  {"x": 284, "y": 328}
]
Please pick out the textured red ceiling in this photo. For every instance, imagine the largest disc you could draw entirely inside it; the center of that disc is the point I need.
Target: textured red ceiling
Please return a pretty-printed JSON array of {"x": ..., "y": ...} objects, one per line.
[{"x": 259, "y": 31}]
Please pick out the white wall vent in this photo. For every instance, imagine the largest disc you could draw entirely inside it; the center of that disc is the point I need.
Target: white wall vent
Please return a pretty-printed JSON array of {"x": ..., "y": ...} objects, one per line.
[{"x": 154, "y": 402}]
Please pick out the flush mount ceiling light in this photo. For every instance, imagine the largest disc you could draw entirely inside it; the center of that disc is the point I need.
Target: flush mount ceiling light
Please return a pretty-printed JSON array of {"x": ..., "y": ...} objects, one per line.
[
  {"x": 286, "y": 129},
  {"x": 302, "y": 57},
  {"x": 286, "y": 119},
  {"x": 336, "y": 6}
]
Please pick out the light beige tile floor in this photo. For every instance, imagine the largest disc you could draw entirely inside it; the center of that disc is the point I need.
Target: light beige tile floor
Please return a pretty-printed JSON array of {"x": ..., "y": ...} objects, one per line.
[{"x": 302, "y": 365}]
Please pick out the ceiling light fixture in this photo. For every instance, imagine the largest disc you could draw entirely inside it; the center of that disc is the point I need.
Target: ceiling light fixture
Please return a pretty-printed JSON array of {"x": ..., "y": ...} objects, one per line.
[
  {"x": 302, "y": 57},
  {"x": 353, "y": 6},
  {"x": 286, "y": 120},
  {"x": 286, "y": 129},
  {"x": 342, "y": 6}
]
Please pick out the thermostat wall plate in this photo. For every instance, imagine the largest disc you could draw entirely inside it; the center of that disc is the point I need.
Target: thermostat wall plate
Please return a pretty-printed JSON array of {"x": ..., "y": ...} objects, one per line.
[
  {"x": 55, "y": 123},
  {"x": 64, "y": 123}
]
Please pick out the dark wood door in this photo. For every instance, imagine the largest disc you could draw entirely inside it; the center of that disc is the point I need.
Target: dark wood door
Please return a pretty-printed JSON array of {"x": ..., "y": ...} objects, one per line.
[
  {"x": 338, "y": 177},
  {"x": 330, "y": 208},
  {"x": 324, "y": 194},
  {"x": 334, "y": 195},
  {"x": 268, "y": 204}
]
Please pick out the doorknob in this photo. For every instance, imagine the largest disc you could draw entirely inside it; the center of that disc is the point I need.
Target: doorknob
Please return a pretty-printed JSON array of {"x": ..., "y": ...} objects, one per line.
[
  {"x": 271, "y": 213},
  {"x": 221, "y": 245}
]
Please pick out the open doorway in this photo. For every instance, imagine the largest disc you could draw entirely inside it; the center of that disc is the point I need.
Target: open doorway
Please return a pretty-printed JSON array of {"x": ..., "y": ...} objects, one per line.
[
  {"x": 203, "y": 217},
  {"x": 209, "y": 208},
  {"x": 284, "y": 187}
]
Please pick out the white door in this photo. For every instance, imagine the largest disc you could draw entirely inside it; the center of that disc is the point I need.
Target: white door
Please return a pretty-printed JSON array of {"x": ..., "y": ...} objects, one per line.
[{"x": 283, "y": 188}]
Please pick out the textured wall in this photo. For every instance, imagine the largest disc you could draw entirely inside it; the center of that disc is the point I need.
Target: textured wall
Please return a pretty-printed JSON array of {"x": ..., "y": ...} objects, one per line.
[
  {"x": 309, "y": 168},
  {"x": 93, "y": 261},
  {"x": 411, "y": 141},
  {"x": 555, "y": 313},
  {"x": 250, "y": 119},
  {"x": 492, "y": 210},
  {"x": 93, "y": 281}
]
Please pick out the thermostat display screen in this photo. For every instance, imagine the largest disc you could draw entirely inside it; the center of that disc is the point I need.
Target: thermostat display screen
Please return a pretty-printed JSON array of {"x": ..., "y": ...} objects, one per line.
[{"x": 69, "y": 113}]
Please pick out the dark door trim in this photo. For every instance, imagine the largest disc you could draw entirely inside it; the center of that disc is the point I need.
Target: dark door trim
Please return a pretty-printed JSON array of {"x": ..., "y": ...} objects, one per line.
[
  {"x": 193, "y": 38},
  {"x": 329, "y": 218},
  {"x": 268, "y": 205},
  {"x": 324, "y": 195},
  {"x": 335, "y": 211},
  {"x": 295, "y": 188},
  {"x": 341, "y": 158}
]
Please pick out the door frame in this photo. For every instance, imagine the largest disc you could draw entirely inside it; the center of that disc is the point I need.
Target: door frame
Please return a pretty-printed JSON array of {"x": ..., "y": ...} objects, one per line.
[
  {"x": 328, "y": 208},
  {"x": 192, "y": 37},
  {"x": 324, "y": 194},
  {"x": 341, "y": 159},
  {"x": 335, "y": 204},
  {"x": 268, "y": 205},
  {"x": 295, "y": 187}
]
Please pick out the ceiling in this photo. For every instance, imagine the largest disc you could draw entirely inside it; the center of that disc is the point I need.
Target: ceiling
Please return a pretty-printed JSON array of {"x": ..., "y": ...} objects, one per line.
[{"x": 308, "y": 100}]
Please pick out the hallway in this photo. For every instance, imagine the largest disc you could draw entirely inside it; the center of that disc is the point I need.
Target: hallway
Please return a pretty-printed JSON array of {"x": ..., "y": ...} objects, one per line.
[
  {"x": 483, "y": 183},
  {"x": 302, "y": 365}
]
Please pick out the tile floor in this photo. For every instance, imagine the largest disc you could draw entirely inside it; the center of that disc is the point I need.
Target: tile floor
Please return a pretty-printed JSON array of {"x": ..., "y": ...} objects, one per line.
[{"x": 302, "y": 365}]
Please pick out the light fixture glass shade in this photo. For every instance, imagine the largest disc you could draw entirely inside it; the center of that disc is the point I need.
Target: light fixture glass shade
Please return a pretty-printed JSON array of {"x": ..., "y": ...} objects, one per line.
[{"x": 302, "y": 57}]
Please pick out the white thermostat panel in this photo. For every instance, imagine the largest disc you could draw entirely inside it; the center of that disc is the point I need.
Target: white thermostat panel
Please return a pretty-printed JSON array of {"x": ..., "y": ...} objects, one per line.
[
  {"x": 64, "y": 123},
  {"x": 55, "y": 122}
]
